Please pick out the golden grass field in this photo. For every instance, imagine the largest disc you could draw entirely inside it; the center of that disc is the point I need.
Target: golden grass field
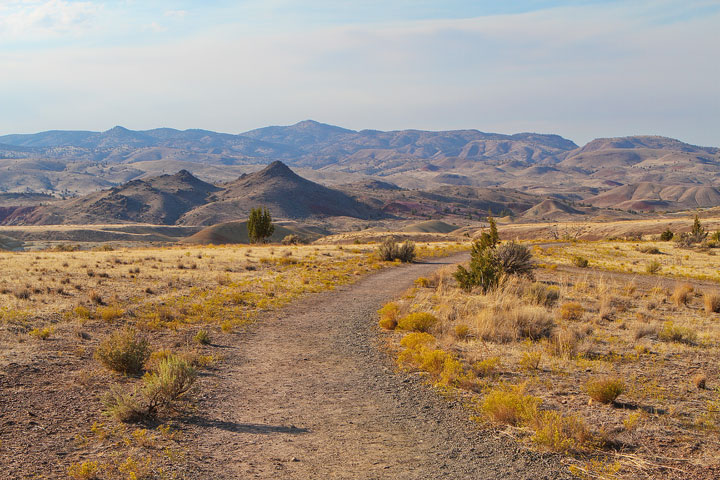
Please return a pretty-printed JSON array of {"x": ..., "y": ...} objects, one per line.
[
  {"x": 545, "y": 360},
  {"x": 660, "y": 258}
]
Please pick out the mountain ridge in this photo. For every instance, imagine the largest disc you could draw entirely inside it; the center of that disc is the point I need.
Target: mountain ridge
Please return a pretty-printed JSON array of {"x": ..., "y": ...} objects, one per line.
[{"x": 79, "y": 162}]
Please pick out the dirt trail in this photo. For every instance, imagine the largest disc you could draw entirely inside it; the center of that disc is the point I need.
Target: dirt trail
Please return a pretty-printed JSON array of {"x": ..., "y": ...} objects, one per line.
[{"x": 308, "y": 393}]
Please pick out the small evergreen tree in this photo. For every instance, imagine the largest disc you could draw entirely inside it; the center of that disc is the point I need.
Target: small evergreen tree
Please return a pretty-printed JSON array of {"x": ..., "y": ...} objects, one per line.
[
  {"x": 259, "y": 225},
  {"x": 488, "y": 262},
  {"x": 698, "y": 231}
]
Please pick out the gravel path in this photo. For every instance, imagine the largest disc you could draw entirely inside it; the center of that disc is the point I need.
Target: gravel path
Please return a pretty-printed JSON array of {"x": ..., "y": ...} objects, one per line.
[{"x": 308, "y": 393}]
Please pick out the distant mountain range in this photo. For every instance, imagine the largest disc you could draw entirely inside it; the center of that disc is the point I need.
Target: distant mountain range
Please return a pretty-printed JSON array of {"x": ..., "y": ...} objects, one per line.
[{"x": 81, "y": 162}]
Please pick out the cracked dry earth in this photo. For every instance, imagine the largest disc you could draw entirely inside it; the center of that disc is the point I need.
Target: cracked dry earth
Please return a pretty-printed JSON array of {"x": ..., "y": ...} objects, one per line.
[{"x": 309, "y": 393}]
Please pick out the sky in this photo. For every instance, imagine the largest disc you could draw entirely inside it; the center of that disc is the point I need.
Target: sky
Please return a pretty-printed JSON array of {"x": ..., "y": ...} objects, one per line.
[{"x": 580, "y": 69}]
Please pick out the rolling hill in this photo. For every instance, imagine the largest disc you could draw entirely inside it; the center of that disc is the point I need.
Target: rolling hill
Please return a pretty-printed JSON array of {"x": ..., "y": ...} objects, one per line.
[
  {"x": 236, "y": 232},
  {"x": 183, "y": 199},
  {"x": 285, "y": 193},
  {"x": 648, "y": 196},
  {"x": 159, "y": 200}
]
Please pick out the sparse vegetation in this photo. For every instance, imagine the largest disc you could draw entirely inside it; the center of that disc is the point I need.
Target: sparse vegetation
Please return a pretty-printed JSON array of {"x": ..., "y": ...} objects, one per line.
[
  {"x": 202, "y": 337},
  {"x": 653, "y": 267},
  {"x": 605, "y": 390},
  {"x": 580, "y": 262},
  {"x": 417, "y": 322},
  {"x": 391, "y": 250},
  {"x": 389, "y": 316},
  {"x": 670, "y": 332},
  {"x": 124, "y": 351},
  {"x": 711, "y": 302},
  {"x": 601, "y": 339},
  {"x": 161, "y": 389}
]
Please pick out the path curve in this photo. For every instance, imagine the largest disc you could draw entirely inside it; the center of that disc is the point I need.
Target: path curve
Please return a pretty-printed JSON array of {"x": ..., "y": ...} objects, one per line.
[{"x": 308, "y": 393}]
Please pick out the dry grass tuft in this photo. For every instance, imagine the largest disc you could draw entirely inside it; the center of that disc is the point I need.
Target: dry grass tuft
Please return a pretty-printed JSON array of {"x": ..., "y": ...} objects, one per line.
[
  {"x": 682, "y": 294},
  {"x": 564, "y": 342},
  {"x": 571, "y": 311},
  {"x": 605, "y": 390},
  {"x": 389, "y": 314},
  {"x": 541, "y": 294},
  {"x": 712, "y": 302},
  {"x": 462, "y": 331},
  {"x": 509, "y": 323}
]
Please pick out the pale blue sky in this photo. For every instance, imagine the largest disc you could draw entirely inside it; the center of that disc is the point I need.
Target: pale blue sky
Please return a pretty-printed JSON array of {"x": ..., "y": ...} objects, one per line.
[{"x": 582, "y": 69}]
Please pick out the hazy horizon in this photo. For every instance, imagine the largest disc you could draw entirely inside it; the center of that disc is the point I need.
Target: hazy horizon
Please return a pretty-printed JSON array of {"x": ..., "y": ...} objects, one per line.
[
  {"x": 579, "y": 69},
  {"x": 332, "y": 125}
]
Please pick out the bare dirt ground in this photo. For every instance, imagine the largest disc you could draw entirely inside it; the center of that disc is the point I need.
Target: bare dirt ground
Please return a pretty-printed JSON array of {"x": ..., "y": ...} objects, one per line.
[{"x": 310, "y": 394}]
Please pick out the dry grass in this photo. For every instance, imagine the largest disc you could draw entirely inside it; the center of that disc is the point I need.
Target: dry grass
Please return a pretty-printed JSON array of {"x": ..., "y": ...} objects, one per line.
[
  {"x": 682, "y": 294},
  {"x": 605, "y": 390},
  {"x": 711, "y": 302},
  {"x": 505, "y": 323},
  {"x": 597, "y": 339},
  {"x": 631, "y": 257},
  {"x": 104, "y": 308}
]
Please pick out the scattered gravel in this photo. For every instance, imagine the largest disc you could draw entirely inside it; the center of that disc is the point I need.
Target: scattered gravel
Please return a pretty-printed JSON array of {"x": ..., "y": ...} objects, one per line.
[{"x": 309, "y": 392}]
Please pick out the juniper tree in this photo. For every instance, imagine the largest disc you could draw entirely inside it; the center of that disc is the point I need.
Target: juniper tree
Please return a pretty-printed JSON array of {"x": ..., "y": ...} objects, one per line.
[{"x": 259, "y": 225}]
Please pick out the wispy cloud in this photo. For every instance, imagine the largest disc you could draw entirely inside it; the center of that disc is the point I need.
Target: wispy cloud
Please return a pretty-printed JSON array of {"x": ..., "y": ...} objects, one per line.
[
  {"x": 36, "y": 20},
  {"x": 587, "y": 70}
]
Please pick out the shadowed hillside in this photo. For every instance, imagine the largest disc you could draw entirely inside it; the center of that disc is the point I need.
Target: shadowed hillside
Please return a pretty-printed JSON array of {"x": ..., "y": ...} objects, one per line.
[
  {"x": 160, "y": 200},
  {"x": 285, "y": 193},
  {"x": 652, "y": 196}
]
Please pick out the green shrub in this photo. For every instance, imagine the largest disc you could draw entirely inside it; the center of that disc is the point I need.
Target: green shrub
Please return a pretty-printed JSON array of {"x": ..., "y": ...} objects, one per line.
[
  {"x": 580, "y": 261},
  {"x": 485, "y": 268},
  {"x": 84, "y": 471},
  {"x": 531, "y": 360},
  {"x": 41, "y": 333},
  {"x": 514, "y": 259},
  {"x": 417, "y": 321},
  {"x": 293, "y": 239},
  {"x": 653, "y": 267},
  {"x": 124, "y": 351},
  {"x": 667, "y": 235},
  {"x": 259, "y": 225},
  {"x": 605, "y": 390},
  {"x": 171, "y": 381},
  {"x": 124, "y": 406},
  {"x": 417, "y": 339},
  {"x": 391, "y": 250},
  {"x": 487, "y": 367},
  {"x": 202, "y": 337}
]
